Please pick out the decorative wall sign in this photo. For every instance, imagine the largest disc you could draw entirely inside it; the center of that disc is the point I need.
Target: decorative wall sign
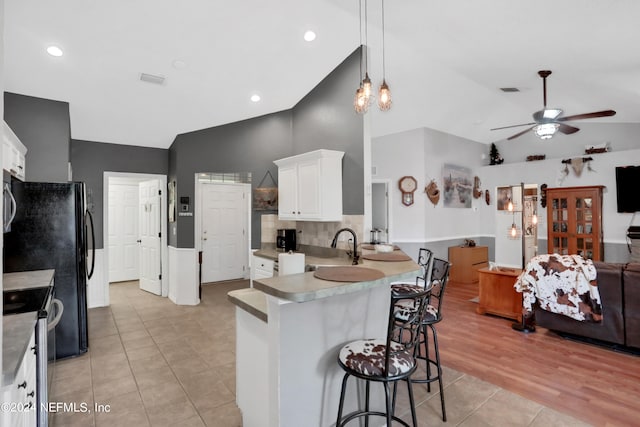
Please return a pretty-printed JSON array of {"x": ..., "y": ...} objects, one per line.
[
  {"x": 266, "y": 198},
  {"x": 509, "y": 194},
  {"x": 457, "y": 186}
]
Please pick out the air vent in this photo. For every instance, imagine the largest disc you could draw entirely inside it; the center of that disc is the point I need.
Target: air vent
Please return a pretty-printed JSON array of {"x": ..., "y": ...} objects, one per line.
[
  {"x": 150, "y": 78},
  {"x": 510, "y": 89}
]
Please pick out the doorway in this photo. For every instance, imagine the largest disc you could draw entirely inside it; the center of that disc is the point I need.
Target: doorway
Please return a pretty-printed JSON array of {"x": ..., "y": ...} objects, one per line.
[
  {"x": 380, "y": 213},
  {"x": 134, "y": 232},
  {"x": 222, "y": 227}
]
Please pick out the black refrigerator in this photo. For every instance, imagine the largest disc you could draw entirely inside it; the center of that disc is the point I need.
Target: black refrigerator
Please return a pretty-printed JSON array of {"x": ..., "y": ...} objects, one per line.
[{"x": 53, "y": 229}]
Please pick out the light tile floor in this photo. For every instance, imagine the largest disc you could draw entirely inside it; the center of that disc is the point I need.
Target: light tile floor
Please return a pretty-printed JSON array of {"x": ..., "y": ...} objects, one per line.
[{"x": 152, "y": 363}]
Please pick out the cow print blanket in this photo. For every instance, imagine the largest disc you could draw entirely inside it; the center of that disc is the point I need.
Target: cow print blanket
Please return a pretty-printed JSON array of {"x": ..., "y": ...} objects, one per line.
[{"x": 563, "y": 284}]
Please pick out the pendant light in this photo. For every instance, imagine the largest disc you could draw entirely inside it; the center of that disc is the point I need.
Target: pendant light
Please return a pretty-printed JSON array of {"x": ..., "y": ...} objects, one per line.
[
  {"x": 384, "y": 93},
  {"x": 366, "y": 82},
  {"x": 360, "y": 101}
]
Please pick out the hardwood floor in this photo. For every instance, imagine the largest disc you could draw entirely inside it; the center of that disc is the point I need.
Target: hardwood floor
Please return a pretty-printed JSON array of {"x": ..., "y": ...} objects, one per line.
[{"x": 591, "y": 383}]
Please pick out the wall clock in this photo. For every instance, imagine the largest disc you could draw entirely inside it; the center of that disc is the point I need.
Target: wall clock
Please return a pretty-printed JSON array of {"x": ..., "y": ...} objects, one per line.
[{"x": 408, "y": 185}]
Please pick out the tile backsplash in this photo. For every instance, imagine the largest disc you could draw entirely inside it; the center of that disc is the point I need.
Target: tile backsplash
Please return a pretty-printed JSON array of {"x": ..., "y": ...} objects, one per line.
[{"x": 314, "y": 233}]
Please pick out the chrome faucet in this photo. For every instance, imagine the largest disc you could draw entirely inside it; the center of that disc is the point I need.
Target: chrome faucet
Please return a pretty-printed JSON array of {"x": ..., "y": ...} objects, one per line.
[{"x": 334, "y": 243}]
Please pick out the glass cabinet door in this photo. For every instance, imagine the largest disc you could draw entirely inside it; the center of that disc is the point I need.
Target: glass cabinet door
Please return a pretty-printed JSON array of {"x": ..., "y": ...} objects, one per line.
[{"x": 574, "y": 221}]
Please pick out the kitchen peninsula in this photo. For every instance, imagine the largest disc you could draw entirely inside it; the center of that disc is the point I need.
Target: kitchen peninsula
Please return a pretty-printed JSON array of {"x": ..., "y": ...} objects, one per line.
[{"x": 289, "y": 330}]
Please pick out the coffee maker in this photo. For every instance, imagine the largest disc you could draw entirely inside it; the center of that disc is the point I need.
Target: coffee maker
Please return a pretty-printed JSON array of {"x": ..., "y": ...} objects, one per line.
[{"x": 286, "y": 239}]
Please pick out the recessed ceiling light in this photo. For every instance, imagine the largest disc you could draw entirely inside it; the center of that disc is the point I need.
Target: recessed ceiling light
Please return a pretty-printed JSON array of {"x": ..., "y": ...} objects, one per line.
[
  {"x": 309, "y": 36},
  {"x": 179, "y": 65},
  {"x": 54, "y": 51},
  {"x": 255, "y": 98}
]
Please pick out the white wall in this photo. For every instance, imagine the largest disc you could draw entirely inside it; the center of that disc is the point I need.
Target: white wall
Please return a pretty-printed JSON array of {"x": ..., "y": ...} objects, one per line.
[
  {"x": 421, "y": 153},
  {"x": 549, "y": 171}
]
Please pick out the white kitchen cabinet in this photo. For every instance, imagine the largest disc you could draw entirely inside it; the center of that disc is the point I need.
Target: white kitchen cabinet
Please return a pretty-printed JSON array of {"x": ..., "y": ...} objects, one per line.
[
  {"x": 261, "y": 268},
  {"x": 20, "y": 397},
  {"x": 310, "y": 186},
  {"x": 13, "y": 153}
]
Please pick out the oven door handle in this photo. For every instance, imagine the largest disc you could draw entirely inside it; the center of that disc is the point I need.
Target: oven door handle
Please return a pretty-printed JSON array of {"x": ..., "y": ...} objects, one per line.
[{"x": 60, "y": 310}]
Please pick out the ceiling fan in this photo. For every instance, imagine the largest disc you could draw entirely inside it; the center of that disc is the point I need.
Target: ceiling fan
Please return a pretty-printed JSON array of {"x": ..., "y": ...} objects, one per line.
[{"x": 548, "y": 120}]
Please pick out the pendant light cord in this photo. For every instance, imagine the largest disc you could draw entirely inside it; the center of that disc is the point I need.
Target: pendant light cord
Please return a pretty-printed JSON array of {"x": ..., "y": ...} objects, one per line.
[
  {"x": 366, "y": 37},
  {"x": 383, "y": 60},
  {"x": 360, "y": 15}
]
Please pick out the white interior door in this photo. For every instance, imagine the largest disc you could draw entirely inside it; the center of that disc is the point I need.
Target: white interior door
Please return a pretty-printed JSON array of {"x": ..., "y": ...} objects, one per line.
[
  {"x": 223, "y": 232},
  {"x": 149, "y": 213},
  {"x": 123, "y": 232}
]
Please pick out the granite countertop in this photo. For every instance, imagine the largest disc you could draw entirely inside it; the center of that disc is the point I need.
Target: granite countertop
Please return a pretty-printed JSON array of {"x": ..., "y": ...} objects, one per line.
[
  {"x": 16, "y": 333},
  {"x": 250, "y": 300},
  {"x": 27, "y": 279},
  {"x": 18, "y": 328},
  {"x": 305, "y": 287}
]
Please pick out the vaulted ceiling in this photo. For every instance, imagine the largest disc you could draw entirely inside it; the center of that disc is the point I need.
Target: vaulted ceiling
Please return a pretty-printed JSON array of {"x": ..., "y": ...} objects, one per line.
[{"x": 445, "y": 61}]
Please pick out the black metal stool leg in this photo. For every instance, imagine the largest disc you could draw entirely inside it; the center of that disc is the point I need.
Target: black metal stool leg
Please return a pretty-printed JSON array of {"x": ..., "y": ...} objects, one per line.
[
  {"x": 388, "y": 400},
  {"x": 435, "y": 347},
  {"x": 366, "y": 404},
  {"x": 412, "y": 403},
  {"x": 344, "y": 388},
  {"x": 425, "y": 333}
]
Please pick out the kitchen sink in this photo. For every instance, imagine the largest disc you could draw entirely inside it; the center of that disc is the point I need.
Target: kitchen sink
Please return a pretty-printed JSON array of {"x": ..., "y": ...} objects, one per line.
[{"x": 25, "y": 300}]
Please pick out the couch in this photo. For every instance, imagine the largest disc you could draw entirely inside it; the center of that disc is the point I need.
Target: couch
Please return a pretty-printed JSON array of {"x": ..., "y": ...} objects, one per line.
[{"x": 619, "y": 288}]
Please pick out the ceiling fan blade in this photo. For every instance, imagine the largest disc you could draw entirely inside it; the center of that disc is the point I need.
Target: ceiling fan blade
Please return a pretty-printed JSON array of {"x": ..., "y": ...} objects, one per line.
[
  {"x": 514, "y": 126},
  {"x": 566, "y": 129},
  {"x": 595, "y": 114},
  {"x": 519, "y": 133}
]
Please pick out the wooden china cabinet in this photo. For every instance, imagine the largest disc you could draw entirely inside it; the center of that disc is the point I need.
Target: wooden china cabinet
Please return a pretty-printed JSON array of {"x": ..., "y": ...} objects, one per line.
[{"x": 574, "y": 221}]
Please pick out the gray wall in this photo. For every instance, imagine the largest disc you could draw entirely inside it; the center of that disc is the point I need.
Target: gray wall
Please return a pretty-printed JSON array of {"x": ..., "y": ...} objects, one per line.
[
  {"x": 89, "y": 161},
  {"x": 246, "y": 146},
  {"x": 43, "y": 126},
  {"x": 324, "y": 118}
]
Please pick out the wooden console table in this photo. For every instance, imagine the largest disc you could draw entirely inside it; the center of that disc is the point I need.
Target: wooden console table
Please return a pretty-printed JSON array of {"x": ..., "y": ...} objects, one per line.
[{"x": 497, "y": 295}]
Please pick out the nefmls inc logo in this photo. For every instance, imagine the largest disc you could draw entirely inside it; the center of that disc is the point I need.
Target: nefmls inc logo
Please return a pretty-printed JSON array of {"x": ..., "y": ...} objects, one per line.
[{"x": 75, "y": 407}]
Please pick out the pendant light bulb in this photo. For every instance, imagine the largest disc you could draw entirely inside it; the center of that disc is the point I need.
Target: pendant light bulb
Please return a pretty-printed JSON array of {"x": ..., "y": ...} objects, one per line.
[
  {"x": 366, "y": 86},
  {"x": 510, "y": 206},
  {"x": 534, "y": 219},
  {"x": 514, "y": 231},
  {"x": 384, "y": 96},
  {"x": 359, "y": 102}
]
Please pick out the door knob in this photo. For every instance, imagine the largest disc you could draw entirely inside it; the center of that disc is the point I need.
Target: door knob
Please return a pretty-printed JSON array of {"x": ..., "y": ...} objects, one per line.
[{"x": 139, "y": 241}]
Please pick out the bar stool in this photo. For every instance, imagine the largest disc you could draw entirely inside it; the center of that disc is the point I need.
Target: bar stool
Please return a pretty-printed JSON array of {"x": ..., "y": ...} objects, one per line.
[
  {"x": 387, "y": 360},
  {"x": 439, "y": 276},
  {"x": 425, "y": 258}
]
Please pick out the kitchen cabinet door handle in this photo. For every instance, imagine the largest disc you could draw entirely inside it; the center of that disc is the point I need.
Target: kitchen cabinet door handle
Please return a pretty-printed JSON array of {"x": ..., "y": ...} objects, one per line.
[
  {"x": 31, "y": 394},
  {"x": 23, "y": 385}
]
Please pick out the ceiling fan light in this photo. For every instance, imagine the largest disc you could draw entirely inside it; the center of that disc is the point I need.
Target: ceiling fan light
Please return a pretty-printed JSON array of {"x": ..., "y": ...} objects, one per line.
[
  {"x": 384, "y": 96},
  {"x": 546, "y": 130},
  {"x": 551, "y": 113}
]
